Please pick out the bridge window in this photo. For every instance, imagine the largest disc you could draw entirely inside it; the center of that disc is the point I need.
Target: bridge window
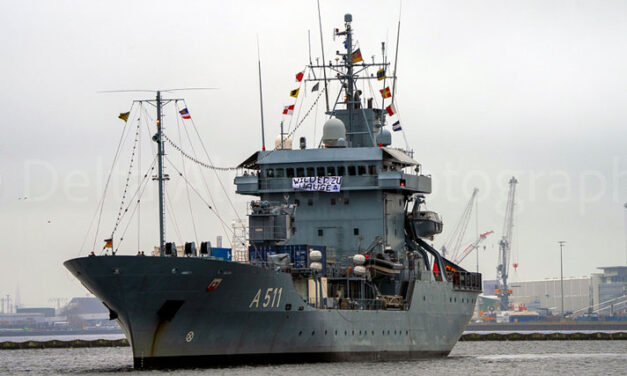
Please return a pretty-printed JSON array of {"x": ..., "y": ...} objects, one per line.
[
  {"x": 341, "y": 170},
  {"x": 351, "y": 170},
  {"x": 311, "y": 171},
  {"x": 331, "y": 171},
  {"x": 297, "y": 202},
  {"x": 361, "y": 170},
  {"x": 270, "y": 173},
  {"x": 289, "y": 172},
  {"x": 280, "y": 173},
  {"x": 332, "y": 201},
  {"x": 320, "y": 171},
  {"x": 310, "y": 202},
  {"x": 372, "y": 170},
  {"x": 300, "y": 172},
  {"x": 356, "y": 231},
  {"x": 320, "y": 232},
  {"x": 346, "y": 201}
]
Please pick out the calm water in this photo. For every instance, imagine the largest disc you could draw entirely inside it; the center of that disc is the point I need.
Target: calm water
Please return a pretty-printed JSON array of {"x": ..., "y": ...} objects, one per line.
[{"x": 467, "y": 358}]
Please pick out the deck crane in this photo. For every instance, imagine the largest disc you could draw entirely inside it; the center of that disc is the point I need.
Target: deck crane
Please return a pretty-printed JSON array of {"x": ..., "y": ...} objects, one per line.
[
  {"x": 452, "y": 245},
  {"x": 471, "y": 247},
  {"x": 503, "y": 291}
]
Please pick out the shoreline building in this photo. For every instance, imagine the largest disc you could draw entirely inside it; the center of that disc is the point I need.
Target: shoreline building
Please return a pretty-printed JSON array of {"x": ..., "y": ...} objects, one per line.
[{"x": 603, "y": 293}]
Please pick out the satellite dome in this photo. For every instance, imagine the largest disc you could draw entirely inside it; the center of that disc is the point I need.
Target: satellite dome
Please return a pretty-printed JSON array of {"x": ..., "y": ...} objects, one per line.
[
  {"x": 287, "y": 143},
  {"x": 333, "y": 130}
]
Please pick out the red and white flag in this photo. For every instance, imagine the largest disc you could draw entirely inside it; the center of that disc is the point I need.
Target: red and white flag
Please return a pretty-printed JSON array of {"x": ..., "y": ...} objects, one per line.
[
  {"x": 299, "y": 76},
  {"x": 288, "y": 110},
  {"x": 391, "y": 109}
]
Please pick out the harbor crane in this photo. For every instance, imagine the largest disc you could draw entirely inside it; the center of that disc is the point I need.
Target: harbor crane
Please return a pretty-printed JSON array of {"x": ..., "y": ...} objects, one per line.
[
  {"x": 452, "y": 245},
  {"x": 471, "y": 247},
  {"x": 502, "y": 269}
]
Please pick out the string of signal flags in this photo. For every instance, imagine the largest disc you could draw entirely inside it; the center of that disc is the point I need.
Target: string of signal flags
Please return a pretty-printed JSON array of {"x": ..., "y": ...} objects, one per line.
[{"x": 357, "y": 57}]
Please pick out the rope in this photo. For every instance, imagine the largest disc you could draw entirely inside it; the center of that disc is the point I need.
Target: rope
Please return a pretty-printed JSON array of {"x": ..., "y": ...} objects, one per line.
[
  {"x": 189, "y": 201},
  {"x": 140, "y": 190},
  {"x": 198, "y": 194},
  {"x": 213, "y": 167},
  {"x": 195, "y": 160},
  {"x": 128, "y": 179},
  {"x": 100, "y": 206}
]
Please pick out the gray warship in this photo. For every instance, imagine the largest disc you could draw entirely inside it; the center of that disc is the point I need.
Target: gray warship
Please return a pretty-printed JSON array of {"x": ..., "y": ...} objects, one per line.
[{"x": 339, "y": 264}]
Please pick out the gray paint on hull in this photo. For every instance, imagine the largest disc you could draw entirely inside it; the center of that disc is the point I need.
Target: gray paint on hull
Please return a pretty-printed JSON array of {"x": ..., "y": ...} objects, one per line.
[{"x": 224, "y": 323}]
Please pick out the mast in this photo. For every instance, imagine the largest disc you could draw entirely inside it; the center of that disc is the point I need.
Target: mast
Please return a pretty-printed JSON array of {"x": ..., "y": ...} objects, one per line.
[
  {"x": 324, "y": 69},
  {"x": 160, "y": 153},
  {"x": 263, "y": 137},
  {"x": 348, "y": 18}
]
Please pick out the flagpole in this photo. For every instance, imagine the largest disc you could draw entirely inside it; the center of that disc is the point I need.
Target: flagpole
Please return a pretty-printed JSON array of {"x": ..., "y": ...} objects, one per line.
[
  {"x": 324, "y": 70},
  {"x": 263, "y": 137},
  {"x": 160, "y": 154}
]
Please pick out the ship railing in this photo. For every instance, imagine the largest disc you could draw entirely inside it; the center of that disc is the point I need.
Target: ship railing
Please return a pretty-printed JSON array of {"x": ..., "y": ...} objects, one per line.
[
  {"x": 352, "y": 304},
  {"x": 463, "y": 280}
]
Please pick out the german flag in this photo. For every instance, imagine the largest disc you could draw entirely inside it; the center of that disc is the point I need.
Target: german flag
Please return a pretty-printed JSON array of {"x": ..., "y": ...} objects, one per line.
[
  {"x": 386, "y": 93},
  {"x": 294, "y": 93},
  {"x": 357, "y": 56},
  {"x": 124, "y": 116}
]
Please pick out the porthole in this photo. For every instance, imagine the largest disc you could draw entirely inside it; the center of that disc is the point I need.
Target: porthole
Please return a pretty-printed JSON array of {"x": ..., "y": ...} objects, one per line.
[
  {"x": 450, "y": 300},
  {"x": 313, "y": 332},
  {"x": 372, "y": 332},
  {"x": 325, "y": 332},
  {"x": 353, "y": 332},
  {"x": 336, "y": 332},
  {"x": 424, "y": 298},
  {"x": 345, "y": 333},
  {"x": 407, "y": 332},
  {"x": 300, "y": 333},
  {"x": 455, "y": 300}
]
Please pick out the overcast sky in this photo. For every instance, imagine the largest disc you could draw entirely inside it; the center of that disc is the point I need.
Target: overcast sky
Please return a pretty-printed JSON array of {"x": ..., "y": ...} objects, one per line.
[{"x": 487, "y": 90}]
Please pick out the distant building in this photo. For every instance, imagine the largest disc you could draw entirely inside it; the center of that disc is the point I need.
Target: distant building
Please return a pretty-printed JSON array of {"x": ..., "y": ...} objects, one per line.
[
  {"x": 87, "y": 312},
  {"x": 46, "y": 311},
  {"x": 604, "y": 293}
]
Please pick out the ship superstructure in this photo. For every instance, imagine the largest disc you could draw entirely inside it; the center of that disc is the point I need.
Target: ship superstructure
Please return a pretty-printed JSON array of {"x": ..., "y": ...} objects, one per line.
[{"x": 339, "y": 265}]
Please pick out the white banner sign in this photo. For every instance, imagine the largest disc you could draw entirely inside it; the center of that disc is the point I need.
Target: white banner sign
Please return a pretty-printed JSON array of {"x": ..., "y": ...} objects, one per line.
[{"x": 320, "y": 184}]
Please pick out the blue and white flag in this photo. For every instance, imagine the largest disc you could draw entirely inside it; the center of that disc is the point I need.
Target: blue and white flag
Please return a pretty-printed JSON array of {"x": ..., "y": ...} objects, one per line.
[{"x": 396, "y": 126}]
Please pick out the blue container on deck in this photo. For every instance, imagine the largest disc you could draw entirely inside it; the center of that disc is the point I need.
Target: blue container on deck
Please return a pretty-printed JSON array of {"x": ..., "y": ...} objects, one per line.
[
  {"x": 222, "y": 253},
  {"x": 299, "y": 254},
  {"x": 258, "y": 254}
]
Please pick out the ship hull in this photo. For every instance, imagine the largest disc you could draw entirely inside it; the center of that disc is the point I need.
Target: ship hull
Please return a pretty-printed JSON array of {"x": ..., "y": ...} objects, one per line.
[{"x": 188, "y": 312}]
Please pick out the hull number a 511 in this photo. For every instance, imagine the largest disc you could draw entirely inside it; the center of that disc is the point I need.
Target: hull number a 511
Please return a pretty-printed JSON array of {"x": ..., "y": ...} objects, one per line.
[{"x": 267, "y": 298}]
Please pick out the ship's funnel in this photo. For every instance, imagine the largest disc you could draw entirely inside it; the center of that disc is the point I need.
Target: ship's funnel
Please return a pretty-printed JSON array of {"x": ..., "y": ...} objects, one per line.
[{"x": 333, "y": 130}]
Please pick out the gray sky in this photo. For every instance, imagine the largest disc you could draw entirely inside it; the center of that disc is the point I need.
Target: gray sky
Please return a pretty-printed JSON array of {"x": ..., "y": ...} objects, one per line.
[{"x": 487, "y": 90}]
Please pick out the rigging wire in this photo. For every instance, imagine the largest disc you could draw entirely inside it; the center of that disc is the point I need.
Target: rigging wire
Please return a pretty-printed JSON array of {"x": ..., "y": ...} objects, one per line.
[
  {"x": 100, "y": 206},
  {"x": 139, "y": 192},
  {"x": 170, "y": 211},
  {"x": 198, "y": 193},
  {"x": 203, "y": 178},
  {"x": 189, "y": 202},
  {"x": 128, "y": 179}
]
